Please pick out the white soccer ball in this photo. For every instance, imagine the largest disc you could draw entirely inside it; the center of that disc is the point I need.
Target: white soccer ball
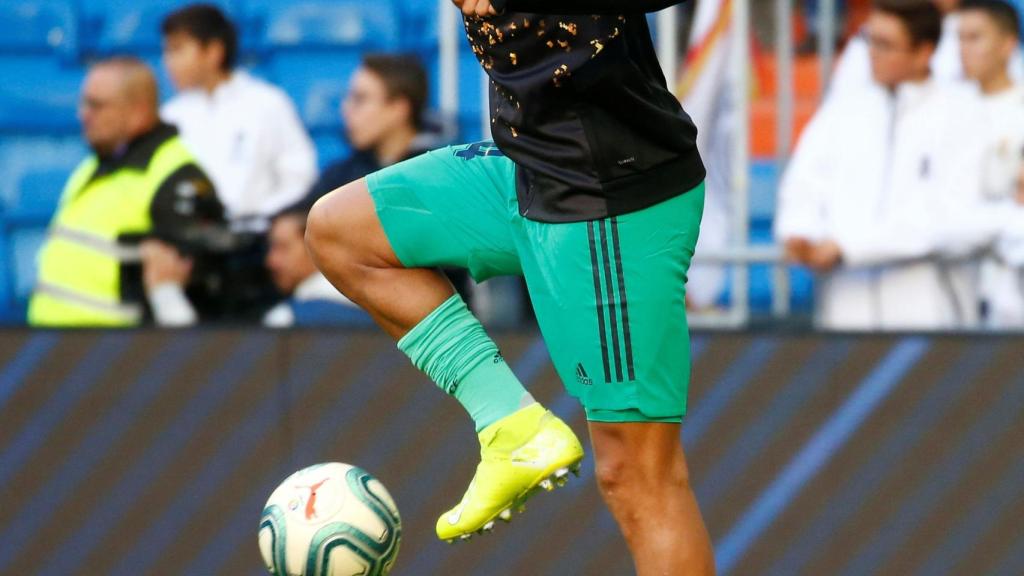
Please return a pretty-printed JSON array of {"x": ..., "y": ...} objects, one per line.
[{"x": 330, "y": 520}]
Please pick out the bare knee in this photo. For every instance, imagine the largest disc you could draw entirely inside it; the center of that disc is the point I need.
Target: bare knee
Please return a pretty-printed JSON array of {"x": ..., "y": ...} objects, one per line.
[
  {"x": 330, "y": 225},
  {"x": 613, "y": 476},
  {"x": 344, "y": 235},
  {"x": 641, "y": 462}
]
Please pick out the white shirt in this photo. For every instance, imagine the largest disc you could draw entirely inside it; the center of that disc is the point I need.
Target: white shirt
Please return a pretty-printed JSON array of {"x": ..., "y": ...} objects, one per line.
[
  {"x": 853, "y": 70},
  {"x": 316, "y": 287},
  {"x": 894, "y": 179},
  {"x": 249, "y": 139},
  {"x": 1001, "y": 283}
]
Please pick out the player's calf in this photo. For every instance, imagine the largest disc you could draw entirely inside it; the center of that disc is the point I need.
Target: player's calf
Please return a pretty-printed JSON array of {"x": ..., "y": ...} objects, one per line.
[{"x": 642, "y": 474}]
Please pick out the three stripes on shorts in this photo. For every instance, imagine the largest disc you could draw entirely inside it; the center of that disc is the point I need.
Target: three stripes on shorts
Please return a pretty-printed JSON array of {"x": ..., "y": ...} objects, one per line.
[{"x": 611, "y": 300}]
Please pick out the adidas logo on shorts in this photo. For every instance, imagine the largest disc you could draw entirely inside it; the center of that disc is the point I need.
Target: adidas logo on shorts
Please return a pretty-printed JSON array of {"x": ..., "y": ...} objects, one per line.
[{"x": 581, "y": 376}]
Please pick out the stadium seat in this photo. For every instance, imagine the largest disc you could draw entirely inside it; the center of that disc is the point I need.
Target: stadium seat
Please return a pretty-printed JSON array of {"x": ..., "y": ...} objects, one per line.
[
  {"x": 418, "y": 24},
  {"x": 330, "y": 147},
  {"x": 39, "y": 27},
  {"x": 39, "y": 192},
  {"x": 132, "y": 26},
  {"x": 764, "y": 180},
  {"x": 8, "y": 311},
  {"x": 24, "y": 244},
  {"x": 34, "y": 170},
  {"x": 316, "y": 81},
  {"x": 310, "y": 24},
  {"x": 38, "y": 94},
  {"x": 471, "y": 97}
]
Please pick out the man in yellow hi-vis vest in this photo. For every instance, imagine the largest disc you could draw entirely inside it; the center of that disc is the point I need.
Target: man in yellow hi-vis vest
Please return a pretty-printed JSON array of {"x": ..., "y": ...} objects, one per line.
[{"x": 139, "y": 185}]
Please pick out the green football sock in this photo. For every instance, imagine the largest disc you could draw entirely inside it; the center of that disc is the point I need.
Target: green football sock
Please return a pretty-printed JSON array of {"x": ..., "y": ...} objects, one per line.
[{"x": 451, "y": 347}]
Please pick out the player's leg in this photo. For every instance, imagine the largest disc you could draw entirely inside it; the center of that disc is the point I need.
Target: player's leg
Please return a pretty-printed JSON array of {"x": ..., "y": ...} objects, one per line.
[
  {"x": 378, "y": 241},
  {"x": 610, "y": 301},
  {"x": 349, "y": 245},
  {"x": 643, "y": 477}
]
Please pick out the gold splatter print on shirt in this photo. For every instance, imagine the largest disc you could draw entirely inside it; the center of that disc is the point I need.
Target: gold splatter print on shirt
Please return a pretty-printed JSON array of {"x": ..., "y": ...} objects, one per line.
[
  {"x": 561, "y": 73},
  {"x": 532, "y": 53}
]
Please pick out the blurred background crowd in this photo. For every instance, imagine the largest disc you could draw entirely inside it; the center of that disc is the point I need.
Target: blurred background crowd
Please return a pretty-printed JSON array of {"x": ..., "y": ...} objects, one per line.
[{"x": 159, "y": 158}]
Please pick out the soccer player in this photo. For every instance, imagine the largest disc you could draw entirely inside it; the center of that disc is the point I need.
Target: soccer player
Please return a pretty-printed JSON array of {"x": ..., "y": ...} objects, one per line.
[{"x": 593, "y": 191}]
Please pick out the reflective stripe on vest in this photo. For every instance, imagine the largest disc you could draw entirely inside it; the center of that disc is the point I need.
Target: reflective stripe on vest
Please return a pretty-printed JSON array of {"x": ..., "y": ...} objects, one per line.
[
  {"x": 79, "y": 280},
  {"x": 128, "y": 313},
  {"x": 120, "y": 252}
]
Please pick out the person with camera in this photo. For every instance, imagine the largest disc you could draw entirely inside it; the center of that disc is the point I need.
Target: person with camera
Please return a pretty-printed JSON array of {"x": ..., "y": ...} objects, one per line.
[
  {"x": 304, "y": 297},
  {"x": 137, "y": 200}
]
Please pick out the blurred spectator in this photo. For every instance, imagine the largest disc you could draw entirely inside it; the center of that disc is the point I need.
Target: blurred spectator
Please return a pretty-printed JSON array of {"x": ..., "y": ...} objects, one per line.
[
  {"x": 854, "y": 67},
  {"x": 883, "y": 194},
  {"x": 310, "y": 300},
  {"x": 383, "y": 114},
  {"x": 140, "y": 182},
  {"x": 989, "y": 36},
  {"x": 245, "y": 132}
]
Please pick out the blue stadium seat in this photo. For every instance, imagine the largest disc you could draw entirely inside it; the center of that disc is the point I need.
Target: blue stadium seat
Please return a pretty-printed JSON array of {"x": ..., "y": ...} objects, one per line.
[
  {"x": 132, "y": 26},
  {"x": 39, "y": 193},
  {"x": 24, "y": 244},
  {"x": 8, "y": 309},
  {"x": 38, "y": 94},
  {"x": 317, "y": 81},
  {"x": 323, "y": 24},
  {"x": 471, "y": 97},
  {"x": 39, "y": 27},
  {"x": 331, "y": 147},
  {"x": 418, "y": 23},
  {"x": 34, "y": 170},
  {"x": 764, "y": 181}
]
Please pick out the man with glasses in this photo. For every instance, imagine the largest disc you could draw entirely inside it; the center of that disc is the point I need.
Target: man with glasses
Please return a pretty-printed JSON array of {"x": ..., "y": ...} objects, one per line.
[
  {"x": 139, "y": 183},
  {"x": 383, "y": 114}
]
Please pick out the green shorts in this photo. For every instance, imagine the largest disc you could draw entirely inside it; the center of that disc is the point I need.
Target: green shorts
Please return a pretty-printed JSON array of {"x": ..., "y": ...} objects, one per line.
[{"x": 609, "y": 294}]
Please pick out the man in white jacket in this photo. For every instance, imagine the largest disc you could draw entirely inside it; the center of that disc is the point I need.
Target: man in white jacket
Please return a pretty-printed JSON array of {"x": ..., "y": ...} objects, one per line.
[
  {"x": 883, "y": 197},
  {"x": 989, "y": 36},
  {"x": 245, "y": 132}
]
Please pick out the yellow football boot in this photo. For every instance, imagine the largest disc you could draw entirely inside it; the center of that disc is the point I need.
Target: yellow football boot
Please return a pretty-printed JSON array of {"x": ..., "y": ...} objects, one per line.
[{"x": 527, "y": 451}]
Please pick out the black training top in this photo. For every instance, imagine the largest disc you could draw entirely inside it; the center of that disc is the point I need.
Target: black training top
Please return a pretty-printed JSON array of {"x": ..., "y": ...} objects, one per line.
[{"x": 579, "y": 102}]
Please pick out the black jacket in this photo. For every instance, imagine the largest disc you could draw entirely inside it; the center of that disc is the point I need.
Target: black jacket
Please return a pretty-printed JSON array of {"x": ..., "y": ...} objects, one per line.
[{"x": 580, "y": 103}]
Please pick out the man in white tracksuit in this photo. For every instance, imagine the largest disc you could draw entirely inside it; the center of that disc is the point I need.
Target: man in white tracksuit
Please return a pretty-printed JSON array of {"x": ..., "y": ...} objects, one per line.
[
  {"x": 989, "y": 36},
  {"x": 883, "y": 194},
  {"x": 246, "y": 133}
]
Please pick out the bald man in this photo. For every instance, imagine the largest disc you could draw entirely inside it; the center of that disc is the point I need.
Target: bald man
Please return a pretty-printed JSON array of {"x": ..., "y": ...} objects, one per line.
[{"x": 126, "y": 212}]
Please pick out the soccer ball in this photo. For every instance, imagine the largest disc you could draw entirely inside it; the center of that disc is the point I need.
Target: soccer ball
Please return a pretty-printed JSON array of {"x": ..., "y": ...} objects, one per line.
[{"x": 330, "y": 520}]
